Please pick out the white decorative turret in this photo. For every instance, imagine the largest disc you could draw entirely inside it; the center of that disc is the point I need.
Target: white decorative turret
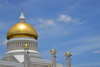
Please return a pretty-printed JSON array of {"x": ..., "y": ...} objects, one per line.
[
  {"x": 22, "y": 18},
  {"x": 26, "y": 55},
  {"x": 68, "y": 55},
  {"x": 53, "y": 53}
]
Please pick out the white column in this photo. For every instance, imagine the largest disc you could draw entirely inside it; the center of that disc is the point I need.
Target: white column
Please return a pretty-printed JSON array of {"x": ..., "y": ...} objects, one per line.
[
  {"x": 68, "y": 63},
  {"x": 21, "y": 45},
  {"x": 30, "y": 46},
  {"x": 7, "y": 47},
  {"x": 68, "y": 55},
  {"x": 53, "y": 61},
  {"x": 14, "y": 46},
  {"x": 26, "y": 55},
  {"x": 26, "y": 59},
  {"x": 53, "y": 57},
  {"x": 17, "y": 45}
]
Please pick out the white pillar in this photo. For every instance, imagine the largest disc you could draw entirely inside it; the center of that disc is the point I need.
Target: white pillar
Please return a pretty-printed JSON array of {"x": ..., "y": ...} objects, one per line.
[
  {"x": 26, "y": 59},
  {"x": 53, "y": 61},
  {"x": 68, "y": 62},
  {"x": 26, "y": 55},
  {"x": 53, "y": 58},
  {"x": 68, "y": 55}
]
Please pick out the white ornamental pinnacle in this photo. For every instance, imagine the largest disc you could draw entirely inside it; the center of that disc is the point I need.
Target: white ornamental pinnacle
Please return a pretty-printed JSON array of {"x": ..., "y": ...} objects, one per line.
[{"x": 22, "y": 18}]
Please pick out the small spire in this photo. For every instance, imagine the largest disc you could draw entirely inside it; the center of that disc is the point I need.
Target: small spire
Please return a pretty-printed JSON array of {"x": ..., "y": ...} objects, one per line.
[{"x": 22, "y": 18}]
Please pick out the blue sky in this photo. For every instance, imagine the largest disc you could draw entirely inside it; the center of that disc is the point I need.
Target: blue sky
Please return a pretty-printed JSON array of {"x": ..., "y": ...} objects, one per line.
[{"x": 64, "y": 25}]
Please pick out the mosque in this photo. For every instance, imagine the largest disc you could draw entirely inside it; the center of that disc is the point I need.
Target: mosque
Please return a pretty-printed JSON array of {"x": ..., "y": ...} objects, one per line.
[{"x": 22, "y": 48}]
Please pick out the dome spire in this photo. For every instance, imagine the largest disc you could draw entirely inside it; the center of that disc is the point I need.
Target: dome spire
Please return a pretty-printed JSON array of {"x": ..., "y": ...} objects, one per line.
[{"x": 22, "y": 18}]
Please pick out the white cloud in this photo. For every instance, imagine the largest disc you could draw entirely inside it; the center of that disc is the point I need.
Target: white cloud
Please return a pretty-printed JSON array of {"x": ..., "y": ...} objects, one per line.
[
  {"x": 77, "y": 21},
  {"x": 44, "y": 23},
  {"x": 64, "y": 18},
  {"x": 47, "y": 22},
  {"x": 4, "y": 42},
  {"x": 3, "y": 2},
  {"x": 67, "y": 33},
  {"x": 6, "y": 2},
  {"x": 97, "y": 51}
]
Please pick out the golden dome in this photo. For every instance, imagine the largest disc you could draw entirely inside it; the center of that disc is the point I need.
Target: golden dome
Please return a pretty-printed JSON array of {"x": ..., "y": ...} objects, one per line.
[
  {"x": 26, "y": 45},
  {"x": 22, "y": 29},
  {"x": 53, "y": 50},
  {"x": 67, "y": 53}
]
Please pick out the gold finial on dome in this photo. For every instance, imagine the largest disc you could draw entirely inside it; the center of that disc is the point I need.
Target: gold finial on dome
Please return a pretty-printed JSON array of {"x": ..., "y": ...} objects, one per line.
[
  {"x": 26, "y": 45},
  {"x": 67, "y": 53},
  {"x": 53, "y": 50},
  {"x": 22, "y": 29}
]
